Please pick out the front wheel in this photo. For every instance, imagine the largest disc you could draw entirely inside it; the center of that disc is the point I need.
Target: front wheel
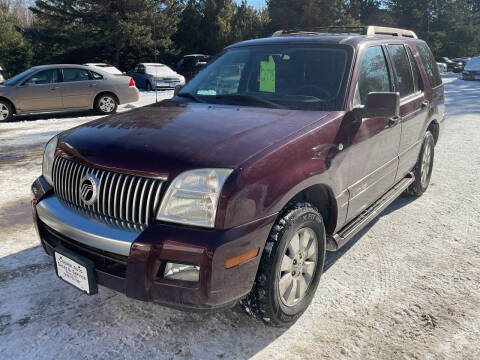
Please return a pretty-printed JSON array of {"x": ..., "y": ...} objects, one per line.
[
  {"x": 424, "y": 166},
  {"x": 290, "y": 268},
  {"x": 106, "y": 104},
  {"x": 6, "y": 112}
]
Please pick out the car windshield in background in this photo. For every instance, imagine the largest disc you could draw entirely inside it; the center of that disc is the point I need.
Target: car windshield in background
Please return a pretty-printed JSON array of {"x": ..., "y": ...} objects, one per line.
[
  {"x": 19, "y": 77},
  {"x": 300, "y": 77}
]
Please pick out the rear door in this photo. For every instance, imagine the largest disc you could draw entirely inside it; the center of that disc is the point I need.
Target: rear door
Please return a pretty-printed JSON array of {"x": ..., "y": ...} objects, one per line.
[
  {"x": 373, "y": 156},
  {"x": 413, "y": 106},
  {"x": 77, "y": 88},
  {"x": 40, "y": 92}
]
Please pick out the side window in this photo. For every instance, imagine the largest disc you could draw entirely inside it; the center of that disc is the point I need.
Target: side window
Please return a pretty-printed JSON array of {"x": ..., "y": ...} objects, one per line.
[
  {"x": 96, "y": 76},
  {"x": 373, "y": 75},
  {"x": 141, "y": 69},
  {"x": 403, "y": 72},
  {"x": 417, "y": 79},
  {"x": 135, "y": 69},
  {"x": 430, "y": 66},
  {"x": 44, "y": 77},
  {"x": 72, "y": 75}
]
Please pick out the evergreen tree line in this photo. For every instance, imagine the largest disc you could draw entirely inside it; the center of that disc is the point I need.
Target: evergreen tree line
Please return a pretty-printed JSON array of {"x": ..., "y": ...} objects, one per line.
[{"x": 124, "y": 32}]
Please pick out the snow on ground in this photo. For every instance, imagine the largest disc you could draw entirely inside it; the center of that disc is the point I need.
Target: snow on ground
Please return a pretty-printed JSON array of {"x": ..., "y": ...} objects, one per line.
[{"x": 407, "y": 287}]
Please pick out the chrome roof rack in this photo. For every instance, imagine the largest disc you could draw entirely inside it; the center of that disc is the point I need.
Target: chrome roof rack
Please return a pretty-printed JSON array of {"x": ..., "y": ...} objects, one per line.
[{"x": 363, "y": 30}]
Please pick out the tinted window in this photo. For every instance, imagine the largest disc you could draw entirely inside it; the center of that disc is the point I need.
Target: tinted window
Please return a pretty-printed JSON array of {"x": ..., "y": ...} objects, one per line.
[
  {"x": 96, "y": 76},
  {"x": 19, "y": 77},
  {"x": 417, "y": 79},
  {"x": 430, "y": 65},
  {"x": 403, "y": 72},
  {"x": 44, "y": 77},
  {"x": 294, "y": 76},
  {"x": 373, "y": 75},
  {"x": 70, "y": 75}
]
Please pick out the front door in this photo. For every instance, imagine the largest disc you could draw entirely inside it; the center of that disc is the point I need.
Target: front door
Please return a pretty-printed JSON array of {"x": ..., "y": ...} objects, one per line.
[
  {"x": 372, "y": 157},
  {"x": 77, "y": 88},
  {"x": 40, "y": 92}
]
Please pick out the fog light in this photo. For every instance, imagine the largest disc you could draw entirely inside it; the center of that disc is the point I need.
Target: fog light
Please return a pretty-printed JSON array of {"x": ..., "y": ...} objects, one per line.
[{"x": 184, "y": 272}]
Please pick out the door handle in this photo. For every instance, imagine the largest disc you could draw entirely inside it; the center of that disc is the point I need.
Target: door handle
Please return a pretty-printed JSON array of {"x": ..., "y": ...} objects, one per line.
[
  {"x": 425, "y": 104},
  {"x": 54, "y": 88},
  {"x": 92, "y": 85},
  {"x": 393, "y": 121}
]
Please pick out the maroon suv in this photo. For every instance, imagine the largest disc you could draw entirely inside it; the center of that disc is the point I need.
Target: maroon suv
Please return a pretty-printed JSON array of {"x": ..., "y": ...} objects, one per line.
[{"x": 280, "y": 149}]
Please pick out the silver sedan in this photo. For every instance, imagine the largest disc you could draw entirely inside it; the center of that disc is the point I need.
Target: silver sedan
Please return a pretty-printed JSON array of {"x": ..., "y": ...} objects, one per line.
[{"x": 51, "y": 88}]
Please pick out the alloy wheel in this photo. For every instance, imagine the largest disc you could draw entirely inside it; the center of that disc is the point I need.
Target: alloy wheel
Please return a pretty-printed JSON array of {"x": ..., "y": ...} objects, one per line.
[
  {"x": 106, "y": 104},
  {"x": 4, "y": 112},
  {"x": 426, "y": 161},
  {"x": 298, "y": 266}
]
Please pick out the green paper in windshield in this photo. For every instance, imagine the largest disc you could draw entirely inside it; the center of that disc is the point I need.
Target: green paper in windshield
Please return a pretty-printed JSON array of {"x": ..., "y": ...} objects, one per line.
[{"x": 267, "y": 75}]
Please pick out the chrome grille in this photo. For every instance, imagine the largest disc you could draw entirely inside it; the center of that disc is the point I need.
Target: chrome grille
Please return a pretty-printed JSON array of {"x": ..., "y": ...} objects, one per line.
[{"x": 125, "y": 200}]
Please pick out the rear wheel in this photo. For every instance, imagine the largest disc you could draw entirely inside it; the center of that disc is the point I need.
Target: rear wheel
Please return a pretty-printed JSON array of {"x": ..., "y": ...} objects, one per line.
[
  {"x": 290, "y": 268},
  {"x": 106, "y": 104},
  {"x": 424, "y": 166},
  {"x": 6, "y": 112}
]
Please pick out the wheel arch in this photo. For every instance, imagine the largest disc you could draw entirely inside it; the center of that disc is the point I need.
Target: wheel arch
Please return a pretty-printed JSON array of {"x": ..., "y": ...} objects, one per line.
[
  {"x": 104, "y": 93},
  {"x": 321, "y": 197},
  {"x": 14, "y": 109},
  {"x": 434, "y": 128}
]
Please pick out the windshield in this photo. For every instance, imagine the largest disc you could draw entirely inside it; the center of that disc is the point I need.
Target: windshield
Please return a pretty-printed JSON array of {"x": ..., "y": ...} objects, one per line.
[
  {"x": 300, "y": 77},
  {"x": 19, "y": 77}
]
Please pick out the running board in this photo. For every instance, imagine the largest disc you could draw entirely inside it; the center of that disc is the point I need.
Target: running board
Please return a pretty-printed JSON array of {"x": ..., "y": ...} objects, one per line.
[{"x": 336, "y": 241}]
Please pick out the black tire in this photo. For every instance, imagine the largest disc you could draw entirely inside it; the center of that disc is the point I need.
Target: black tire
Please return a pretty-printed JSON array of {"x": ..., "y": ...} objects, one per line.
[
  {"x": 265, "y": 301},
  {"x": 6, "y": 111},
  {"x": 106, "y": 104},
  {"x": 149, "y": 86},
  {"x": 423, "y": 173}
]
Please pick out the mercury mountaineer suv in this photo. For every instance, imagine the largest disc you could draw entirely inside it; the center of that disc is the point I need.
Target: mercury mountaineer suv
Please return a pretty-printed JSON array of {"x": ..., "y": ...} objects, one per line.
[{"x": 279, "y": 150}]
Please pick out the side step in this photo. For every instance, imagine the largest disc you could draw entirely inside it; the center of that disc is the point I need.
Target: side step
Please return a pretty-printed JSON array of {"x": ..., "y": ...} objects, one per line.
[{"x": 336, "y": 241}]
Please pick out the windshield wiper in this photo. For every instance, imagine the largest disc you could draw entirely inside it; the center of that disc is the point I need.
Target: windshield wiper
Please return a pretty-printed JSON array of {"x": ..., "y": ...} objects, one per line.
[
  {"x": 251, "y": 99},
  {"x": 191, "y": 96}
]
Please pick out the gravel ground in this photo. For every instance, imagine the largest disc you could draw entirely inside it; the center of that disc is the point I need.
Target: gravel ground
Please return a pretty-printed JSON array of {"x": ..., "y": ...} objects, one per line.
[{"x": 407, "y": 287}]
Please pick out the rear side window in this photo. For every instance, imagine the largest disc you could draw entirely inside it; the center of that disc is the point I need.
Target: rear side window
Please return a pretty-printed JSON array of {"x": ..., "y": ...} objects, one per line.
[
  {"x": 72, "y": 75},
  {"x": 403, "y": 72},
  {"x": 96, "y": 76},
  {"x": 417, "y": 79},
  {"x": 430, "y": 65},
  {"x": 373, "y": 75}
]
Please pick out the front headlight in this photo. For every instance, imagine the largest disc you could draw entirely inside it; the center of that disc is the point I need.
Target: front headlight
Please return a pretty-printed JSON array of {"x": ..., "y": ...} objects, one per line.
[
  {"x": 192, "y": 197},
  {"x": 48, "y": 157}
]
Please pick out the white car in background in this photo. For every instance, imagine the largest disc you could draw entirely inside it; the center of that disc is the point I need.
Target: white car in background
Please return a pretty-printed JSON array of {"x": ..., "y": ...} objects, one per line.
[
  {"x": 442, "y": 67},
  {"x": 471, "y": 71},
  {"x": 105, "y": 67},
  {"x": 152, "y": 76},
  {"x": 2, "y": 79}
]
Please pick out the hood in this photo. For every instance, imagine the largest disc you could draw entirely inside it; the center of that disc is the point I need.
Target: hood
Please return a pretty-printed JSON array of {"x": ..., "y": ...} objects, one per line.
[
  {"x": 163, "y": 140},
  {"x": 473, "y": 64}
]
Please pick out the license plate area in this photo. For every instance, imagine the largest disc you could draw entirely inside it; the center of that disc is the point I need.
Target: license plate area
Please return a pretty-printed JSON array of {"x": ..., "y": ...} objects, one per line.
[{"x": 75, "y": 270}]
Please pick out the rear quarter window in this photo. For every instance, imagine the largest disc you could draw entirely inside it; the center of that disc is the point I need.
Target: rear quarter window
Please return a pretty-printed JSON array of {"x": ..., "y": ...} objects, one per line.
[{"x": 430, "y": 65}]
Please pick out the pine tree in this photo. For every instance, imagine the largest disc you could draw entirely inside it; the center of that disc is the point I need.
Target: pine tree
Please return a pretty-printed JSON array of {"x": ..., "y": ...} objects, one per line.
[{"x": 15, "y": 54}]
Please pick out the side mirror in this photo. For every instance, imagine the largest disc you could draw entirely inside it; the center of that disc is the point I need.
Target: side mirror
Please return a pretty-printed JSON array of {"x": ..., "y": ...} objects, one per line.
[
  {"x": 177, "y": 89},
  {"x": 379, "y": 104}
]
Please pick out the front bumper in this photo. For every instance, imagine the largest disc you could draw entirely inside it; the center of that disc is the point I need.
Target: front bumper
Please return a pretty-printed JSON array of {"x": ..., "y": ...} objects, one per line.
[{"x": 138, "y": 273}]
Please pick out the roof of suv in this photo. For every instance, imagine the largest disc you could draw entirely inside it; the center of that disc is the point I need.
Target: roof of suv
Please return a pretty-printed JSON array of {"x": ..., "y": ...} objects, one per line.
[
  {"x": 348, "y": 39},
  {"x": 367, "y": 33}
]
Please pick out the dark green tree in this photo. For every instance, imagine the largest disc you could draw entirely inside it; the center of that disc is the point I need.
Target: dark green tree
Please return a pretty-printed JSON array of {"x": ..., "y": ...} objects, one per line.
[{"x": 15, "y": 53}]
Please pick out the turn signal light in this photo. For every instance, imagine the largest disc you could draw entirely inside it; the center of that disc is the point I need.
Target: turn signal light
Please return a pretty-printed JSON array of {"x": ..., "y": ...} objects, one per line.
[
  {"x": 132, "y": 82},
  {"x": 237, "y": 260}
]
